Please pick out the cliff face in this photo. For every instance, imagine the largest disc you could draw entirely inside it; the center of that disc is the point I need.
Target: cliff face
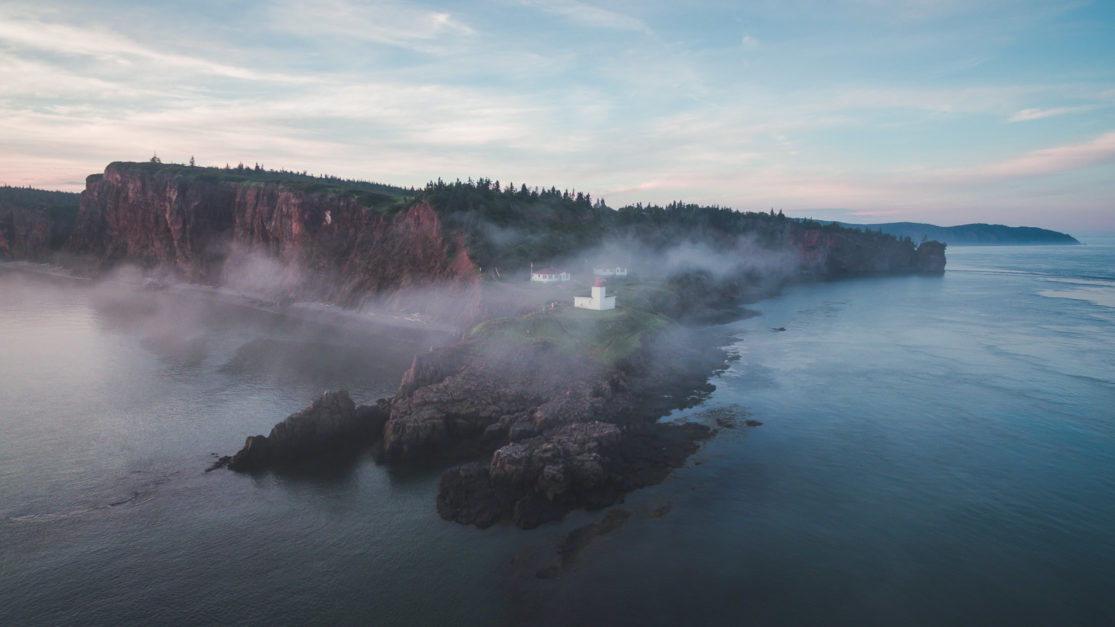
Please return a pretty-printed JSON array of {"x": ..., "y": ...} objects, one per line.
[
  {"x": 327, "y": 244},
  {"x": 836, "y": 254},
  {"x": 153, "y": 221}
]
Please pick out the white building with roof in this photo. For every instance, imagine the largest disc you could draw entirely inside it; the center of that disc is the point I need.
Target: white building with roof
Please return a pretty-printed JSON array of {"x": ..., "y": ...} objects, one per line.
[
  {"x": 614, "y": 270},
  {"x": 599, "y": 301},
  {"x": 549, "y": 275}
]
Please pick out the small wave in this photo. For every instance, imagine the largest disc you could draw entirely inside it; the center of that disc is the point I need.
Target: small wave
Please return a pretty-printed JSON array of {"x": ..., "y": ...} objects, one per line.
[
  {"x": 49, "y": 517},
  {"x": 1103, "y": 297},
  {"x": 146, "y": 493},
  {"x": 980, "y": 270},
  {"x": 1096, "y": 281},
  {"x": 137, "y": 498}
]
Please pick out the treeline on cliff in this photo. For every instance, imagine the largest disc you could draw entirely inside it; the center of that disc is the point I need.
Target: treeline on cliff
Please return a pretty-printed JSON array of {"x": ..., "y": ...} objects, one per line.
[
  {"x": 509, "y": 227},
  {"x": 35, "y": 222},
  {"x": 367, "y": 193}
]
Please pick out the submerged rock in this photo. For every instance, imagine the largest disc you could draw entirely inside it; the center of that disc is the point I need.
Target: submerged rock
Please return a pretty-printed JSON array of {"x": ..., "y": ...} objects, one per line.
[
  {"x": 332, "y": 422},
  {"x": 572, "y": 544}
]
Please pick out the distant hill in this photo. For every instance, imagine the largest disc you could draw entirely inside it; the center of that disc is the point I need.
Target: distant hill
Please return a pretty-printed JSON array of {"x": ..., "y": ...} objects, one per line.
[{"x": 970, "y": 234}]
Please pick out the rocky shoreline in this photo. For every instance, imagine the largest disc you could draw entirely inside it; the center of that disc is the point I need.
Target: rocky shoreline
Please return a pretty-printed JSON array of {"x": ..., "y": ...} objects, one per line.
[{"x": 530, "y": 432}]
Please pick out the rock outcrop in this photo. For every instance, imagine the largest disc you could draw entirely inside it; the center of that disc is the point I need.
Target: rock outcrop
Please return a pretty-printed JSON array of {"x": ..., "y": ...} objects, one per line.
[
  {"x": 931, "y": 257},
  {"x": 549, "y": 433},
  {"x": 330, "y": 424},
  {"x": 578, "y": 465},
  {"x": 834, "y": 253},
  {"x": 540, "y": 430},
  {"x": 467, "y": 399},
  {"x": 323, "y": 244}
]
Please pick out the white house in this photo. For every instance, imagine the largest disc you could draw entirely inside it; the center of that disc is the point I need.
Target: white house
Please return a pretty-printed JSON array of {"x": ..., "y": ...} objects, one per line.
[
  {"x": 598, "y": 300},
  {"x": 609, "y": 270},
  {"x": 549, "y": 275}
]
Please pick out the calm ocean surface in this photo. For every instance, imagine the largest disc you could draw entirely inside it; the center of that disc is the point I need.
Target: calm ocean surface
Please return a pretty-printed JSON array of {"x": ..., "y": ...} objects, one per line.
[{"x": 934, "y": 451}]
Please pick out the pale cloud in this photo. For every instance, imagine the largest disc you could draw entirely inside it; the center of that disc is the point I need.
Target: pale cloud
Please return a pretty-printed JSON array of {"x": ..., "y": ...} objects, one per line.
[
  {"x": 666, "y": 183},
  {"x": 749, "y": 42},
  {"x": 23, "y": 77},
  {"x": 391, "y": 23},
  {"x": 1037, "y": 114},
  {"x": 121, "y": 52},
  {"x": 951, "y": 100},
  {"x": 1046, "y": 161},
  {"x": 589, "y": 15}
]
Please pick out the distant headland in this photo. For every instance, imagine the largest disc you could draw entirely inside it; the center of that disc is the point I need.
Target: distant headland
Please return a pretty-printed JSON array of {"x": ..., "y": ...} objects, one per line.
[{"x": 978, "y": 234}]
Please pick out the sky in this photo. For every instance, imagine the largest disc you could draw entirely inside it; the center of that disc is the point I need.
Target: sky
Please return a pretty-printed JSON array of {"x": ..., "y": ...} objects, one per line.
[{"x": 940, "y": 111}]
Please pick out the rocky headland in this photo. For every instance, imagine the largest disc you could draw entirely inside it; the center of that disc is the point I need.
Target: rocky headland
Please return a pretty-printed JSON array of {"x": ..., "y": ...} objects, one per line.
[{"x": 539, "y": 408}]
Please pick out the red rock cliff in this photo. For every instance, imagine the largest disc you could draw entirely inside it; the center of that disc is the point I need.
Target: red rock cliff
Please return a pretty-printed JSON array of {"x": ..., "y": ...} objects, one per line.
[{"x": 327, "y": 244}]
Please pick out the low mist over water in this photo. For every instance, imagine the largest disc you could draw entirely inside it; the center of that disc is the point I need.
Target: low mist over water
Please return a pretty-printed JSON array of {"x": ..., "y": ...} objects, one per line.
[{"x": 934, "y": 450}]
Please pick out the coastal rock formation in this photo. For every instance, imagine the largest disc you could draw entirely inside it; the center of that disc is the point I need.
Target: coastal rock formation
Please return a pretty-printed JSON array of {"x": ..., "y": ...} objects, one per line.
[
  {"x": 331, "y": 423},
  {"x": 931, "y": 257},
  {"x": 540, "y": 431},
  {"x": 466, "y": 399},
  {"x": 328, "y": 245},
  {"x": 550, "y": 434},
  {"x": 831, "y": 254},
  {"x": 578, "y": 465}
]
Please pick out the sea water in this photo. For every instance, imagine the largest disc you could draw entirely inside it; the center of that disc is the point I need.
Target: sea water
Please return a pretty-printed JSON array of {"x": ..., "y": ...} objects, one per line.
[{"x": 933, "y": 450}]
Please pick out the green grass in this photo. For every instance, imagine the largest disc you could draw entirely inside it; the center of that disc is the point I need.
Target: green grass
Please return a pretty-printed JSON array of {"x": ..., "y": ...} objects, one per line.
[{"x": 606, "y": 337}]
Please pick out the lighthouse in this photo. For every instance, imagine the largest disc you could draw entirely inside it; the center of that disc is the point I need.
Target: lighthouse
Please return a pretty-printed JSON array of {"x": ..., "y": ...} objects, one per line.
[{"x": 598, "y": 301}]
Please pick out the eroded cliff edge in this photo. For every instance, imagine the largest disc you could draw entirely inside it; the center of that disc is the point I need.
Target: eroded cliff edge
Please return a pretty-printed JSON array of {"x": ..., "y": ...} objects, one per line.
[{"x": 328, "y": 243}]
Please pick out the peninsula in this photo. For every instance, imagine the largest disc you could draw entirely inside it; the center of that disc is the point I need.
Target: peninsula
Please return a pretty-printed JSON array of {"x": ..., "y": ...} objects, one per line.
[{"x": 540, "y": 407}]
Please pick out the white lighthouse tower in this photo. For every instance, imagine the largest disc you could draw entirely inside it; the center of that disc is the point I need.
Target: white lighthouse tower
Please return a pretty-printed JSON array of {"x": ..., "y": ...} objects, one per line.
[{"x": 598, "y": 301}]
